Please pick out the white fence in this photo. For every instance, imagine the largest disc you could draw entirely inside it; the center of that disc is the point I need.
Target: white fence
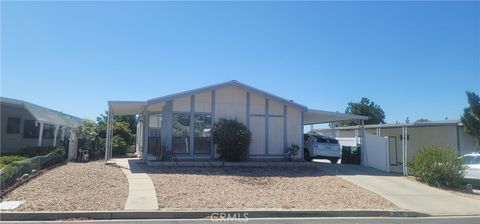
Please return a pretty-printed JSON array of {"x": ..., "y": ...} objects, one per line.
[{"x": 376, "y": 152}]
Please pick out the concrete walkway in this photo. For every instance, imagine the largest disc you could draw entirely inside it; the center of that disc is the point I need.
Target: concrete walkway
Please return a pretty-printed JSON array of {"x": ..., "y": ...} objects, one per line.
[
  {"x": 405, "y": 193},
  {"x": 141, "y": 191}
]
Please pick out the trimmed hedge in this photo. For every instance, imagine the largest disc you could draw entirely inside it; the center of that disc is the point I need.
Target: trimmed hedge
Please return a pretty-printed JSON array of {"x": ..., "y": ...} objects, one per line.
[
  {"x": 232, "y": 139},
  {"x": 10, "y": 173}
]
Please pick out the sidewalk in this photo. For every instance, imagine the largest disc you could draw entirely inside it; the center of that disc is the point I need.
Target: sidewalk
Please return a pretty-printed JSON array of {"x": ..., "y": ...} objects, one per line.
[
  {"x": 141, "y": 191},
  {"x": 405, "y": 193}
]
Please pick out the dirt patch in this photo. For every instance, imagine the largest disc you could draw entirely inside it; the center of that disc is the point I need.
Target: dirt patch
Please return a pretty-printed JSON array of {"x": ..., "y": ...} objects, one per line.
[
  {"x": 74, "y": 187},
  {"x": 250, "y": 188}
]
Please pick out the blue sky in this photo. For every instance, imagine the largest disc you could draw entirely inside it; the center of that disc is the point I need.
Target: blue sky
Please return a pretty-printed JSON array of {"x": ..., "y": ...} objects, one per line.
[{"x": 414, "y": 59}]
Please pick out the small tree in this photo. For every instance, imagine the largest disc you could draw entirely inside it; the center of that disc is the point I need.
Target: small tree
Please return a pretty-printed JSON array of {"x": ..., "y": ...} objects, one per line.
[
  {"x": 366, "y": 108},
  {"x": 232, "y": 139},
  {"x": 437, "y": 165},
  {"x": 88, "y": 132},
  {"x": 471, "y": 116},
  {"x": 122, "y": 134}
]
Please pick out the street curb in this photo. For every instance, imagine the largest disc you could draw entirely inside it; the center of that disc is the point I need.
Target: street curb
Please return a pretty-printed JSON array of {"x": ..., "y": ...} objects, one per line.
[{"x": 43, "y": 216}]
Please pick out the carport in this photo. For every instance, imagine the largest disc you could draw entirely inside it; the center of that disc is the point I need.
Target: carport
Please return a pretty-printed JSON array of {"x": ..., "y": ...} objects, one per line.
[{"x": 312, "y": 117}]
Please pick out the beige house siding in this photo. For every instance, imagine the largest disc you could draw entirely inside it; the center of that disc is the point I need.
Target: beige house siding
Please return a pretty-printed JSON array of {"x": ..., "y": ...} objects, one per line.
[
  {"x": 294, "y": 127},
  {"x": 230, "y": 103},
  {"x": 182, "y": 104}
]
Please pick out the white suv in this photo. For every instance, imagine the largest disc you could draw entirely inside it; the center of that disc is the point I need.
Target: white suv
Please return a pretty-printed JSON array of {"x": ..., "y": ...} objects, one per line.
[{"x": 321, "y": 147}]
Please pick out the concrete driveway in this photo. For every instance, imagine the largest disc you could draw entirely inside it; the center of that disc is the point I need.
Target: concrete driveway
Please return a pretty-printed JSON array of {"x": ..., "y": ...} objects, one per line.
[{"x": 405, "y": 193}]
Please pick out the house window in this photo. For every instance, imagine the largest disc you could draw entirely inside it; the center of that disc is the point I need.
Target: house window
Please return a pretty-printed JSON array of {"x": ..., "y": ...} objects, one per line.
[
  {"x": 48, "y": 131},
  {"x": 13, "y": 125},
  {"x": 30, "y": 129},
  {"x": 181, "y": 133},
  {"x": 154, "y": 133},
  {"x": 203, "y": 133}
]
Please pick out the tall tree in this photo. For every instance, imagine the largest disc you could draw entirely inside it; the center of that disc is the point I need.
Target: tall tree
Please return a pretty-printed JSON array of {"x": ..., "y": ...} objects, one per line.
[
  {"x": 366, "y": 108},
  {"x": 471, "y": 116}
]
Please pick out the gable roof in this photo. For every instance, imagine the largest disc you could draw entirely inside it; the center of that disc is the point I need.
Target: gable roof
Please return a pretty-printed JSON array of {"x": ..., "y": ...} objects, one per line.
[
  {"x": 43, "y": 114},
  {"x": 311, "y": 116},
  {"x": 233, "y": 83}
]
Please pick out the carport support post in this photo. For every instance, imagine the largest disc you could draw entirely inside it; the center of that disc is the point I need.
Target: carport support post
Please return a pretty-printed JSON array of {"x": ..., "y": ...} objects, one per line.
[
  {"x": 405, "y": 138},
  {"x": 403, "y": 151},
  {"x": 364, "y": 149}
]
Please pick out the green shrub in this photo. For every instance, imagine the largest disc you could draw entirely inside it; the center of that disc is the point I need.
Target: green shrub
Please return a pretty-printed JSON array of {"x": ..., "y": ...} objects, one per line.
[
  {"x": 5, "y": 160},
  {"x": 61, "y": 151},
  {"x": 232, "y": 139},
  {"x": 36, "y": 151},
  {"x": 119, "y": 146},
  {"x": 10, "y": 173},
  {"x": 439, "y": 166}
]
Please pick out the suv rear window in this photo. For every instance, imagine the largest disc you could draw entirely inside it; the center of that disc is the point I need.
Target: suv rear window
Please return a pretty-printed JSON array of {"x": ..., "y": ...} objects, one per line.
[
  {"x": 328, "y": 140},
  {"x": 320, "y": 139}
]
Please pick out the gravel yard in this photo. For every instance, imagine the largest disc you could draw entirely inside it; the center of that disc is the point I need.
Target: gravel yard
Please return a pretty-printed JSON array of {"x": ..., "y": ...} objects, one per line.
[
  {"x": 74, "y": 187},
  {"x": 250, "y": 188}
]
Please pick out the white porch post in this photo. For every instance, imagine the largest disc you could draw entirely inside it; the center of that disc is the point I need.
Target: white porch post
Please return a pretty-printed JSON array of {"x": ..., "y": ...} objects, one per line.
[
  {"x": 111, "y": 134},
  {"x": 107, "y": 136},
  {"x": 55, "y": 136},
  {"x": 40, "y": 134}
]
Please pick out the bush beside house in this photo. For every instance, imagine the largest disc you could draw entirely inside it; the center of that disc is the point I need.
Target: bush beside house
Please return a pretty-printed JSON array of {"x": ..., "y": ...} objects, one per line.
[
  {"x": 438, "y": 166},
  {"x": 232, "y": 139},
  {"x": 5, "y": 160}
]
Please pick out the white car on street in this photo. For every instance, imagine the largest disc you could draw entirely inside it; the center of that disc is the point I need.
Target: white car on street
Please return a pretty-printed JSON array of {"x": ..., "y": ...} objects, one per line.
[
  {"x": 472, "y": 166},
  {"x": 321, "y": 147}
]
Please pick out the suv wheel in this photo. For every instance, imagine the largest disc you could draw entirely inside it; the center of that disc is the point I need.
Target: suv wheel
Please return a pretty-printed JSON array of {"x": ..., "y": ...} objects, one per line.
[{"x": 334, "y": 161}]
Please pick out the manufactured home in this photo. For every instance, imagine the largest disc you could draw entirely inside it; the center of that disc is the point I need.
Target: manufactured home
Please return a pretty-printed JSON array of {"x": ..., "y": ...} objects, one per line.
[
  {"x": 25, "y": 124},
  {"x": 183, "y": 122}
]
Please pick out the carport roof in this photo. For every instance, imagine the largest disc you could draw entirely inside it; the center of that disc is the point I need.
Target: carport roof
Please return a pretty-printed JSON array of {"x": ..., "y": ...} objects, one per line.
[{"x": 320, "y": 116}]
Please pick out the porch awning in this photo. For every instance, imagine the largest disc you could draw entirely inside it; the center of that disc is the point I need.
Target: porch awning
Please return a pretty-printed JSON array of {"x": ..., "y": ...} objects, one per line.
[
  {"x": 320, "y": 116},
  {"x": 127, "y": 107}
]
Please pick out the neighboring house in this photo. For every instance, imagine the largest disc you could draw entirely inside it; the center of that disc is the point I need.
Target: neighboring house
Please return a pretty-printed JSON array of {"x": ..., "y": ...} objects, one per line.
[
  {"x": 419, "y": 134},
  {"x": 24, "y": 124},
  {"x": 183, "y": 122}
]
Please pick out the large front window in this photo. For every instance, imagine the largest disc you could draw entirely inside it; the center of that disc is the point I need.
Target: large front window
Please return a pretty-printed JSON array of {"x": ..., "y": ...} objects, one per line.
[
  {"x": 30, "y": 129},
  {"x": 181, "y": 133},
  {"x": 154, "y": 133},
  {"x": 203, "y": 133}
]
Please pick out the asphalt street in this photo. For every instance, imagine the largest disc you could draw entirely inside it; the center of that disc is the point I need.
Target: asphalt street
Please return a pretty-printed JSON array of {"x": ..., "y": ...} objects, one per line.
[{"x": 427, "y": 220}]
